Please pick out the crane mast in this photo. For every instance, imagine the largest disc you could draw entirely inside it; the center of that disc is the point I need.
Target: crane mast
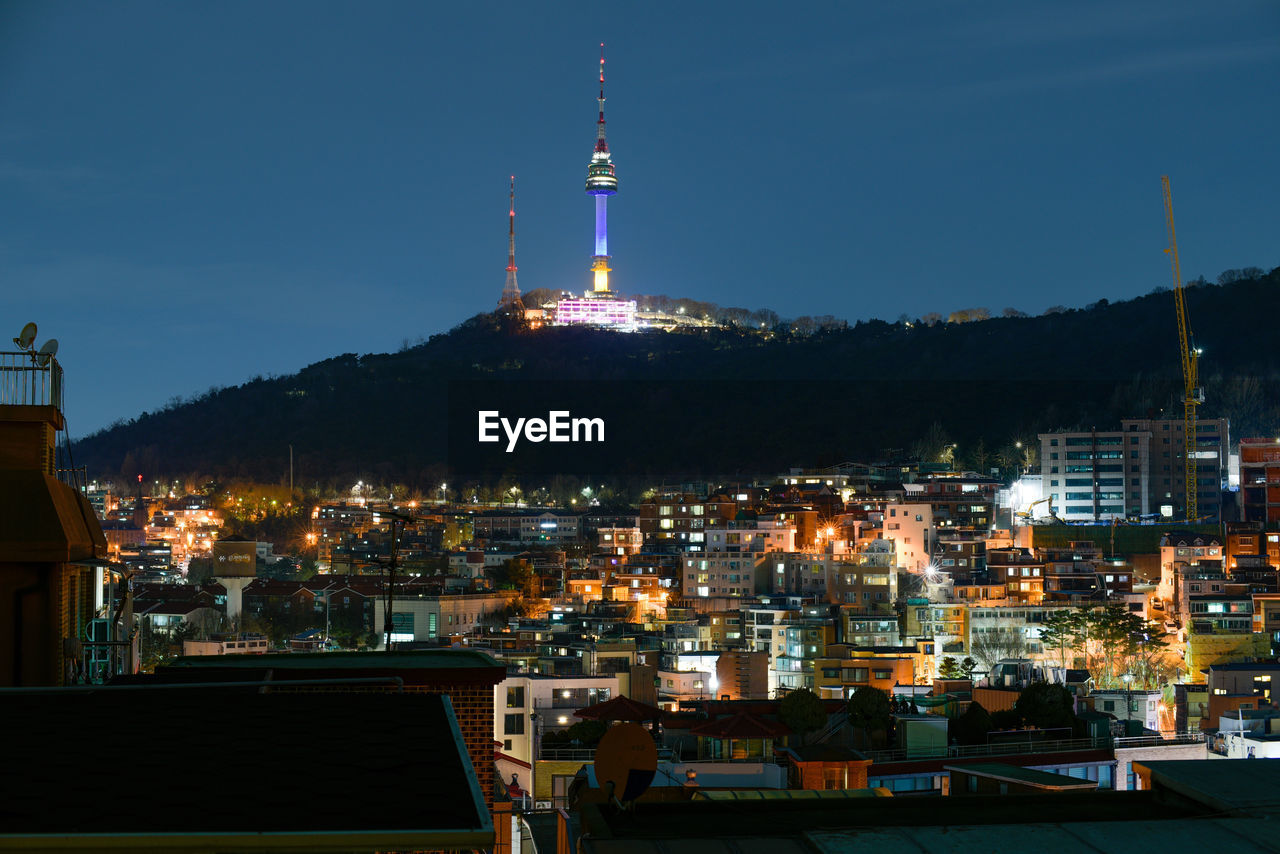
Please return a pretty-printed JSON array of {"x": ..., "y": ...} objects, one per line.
[{"x": 1193, "y": 394}]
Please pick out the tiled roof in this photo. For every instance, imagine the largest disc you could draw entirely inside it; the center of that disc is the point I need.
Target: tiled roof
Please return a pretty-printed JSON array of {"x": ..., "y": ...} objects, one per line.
[
  {"x": 620, "y": 709},
  {"x": 741, "y": 725}
]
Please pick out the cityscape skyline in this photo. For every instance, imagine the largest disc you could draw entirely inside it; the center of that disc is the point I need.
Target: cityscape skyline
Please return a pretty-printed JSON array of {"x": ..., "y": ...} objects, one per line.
[
  {"x": 248, "y": 201},
  {"x": 935, "y": 497}
]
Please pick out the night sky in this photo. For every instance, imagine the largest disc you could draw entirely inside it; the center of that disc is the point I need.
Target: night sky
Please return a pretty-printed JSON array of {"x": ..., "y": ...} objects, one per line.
[{"x": 193, "y": 194}]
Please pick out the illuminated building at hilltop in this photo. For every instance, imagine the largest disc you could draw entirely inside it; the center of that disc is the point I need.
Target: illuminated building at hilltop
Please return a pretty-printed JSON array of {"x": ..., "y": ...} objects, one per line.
[{"x": 600, "y": 306}]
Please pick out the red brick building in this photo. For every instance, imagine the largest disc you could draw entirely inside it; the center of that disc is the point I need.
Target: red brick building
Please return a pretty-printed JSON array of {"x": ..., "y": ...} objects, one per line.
[{"x": 1260, "y": 481}]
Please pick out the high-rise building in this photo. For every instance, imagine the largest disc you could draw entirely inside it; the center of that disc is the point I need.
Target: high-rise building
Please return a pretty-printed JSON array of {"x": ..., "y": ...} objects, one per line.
[{"x": 1137, "y": 470}]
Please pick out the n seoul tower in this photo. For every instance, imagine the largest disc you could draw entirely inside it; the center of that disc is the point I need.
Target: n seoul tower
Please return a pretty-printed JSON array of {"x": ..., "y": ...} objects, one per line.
[
  {"x": 601, "y": 183},
  {"x": 511, "y": 291}
]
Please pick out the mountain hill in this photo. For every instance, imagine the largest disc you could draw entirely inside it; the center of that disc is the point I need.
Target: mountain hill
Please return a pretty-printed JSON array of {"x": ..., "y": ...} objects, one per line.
[{"x": 721, "y": 402}]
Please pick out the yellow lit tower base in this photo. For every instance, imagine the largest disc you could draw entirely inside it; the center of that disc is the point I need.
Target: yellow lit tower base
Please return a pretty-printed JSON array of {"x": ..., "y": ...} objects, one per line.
[{"x": 600, "y": 278}]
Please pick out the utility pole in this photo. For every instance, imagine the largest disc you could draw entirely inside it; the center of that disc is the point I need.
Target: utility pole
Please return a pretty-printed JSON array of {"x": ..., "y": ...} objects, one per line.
[{"x": 391, "y": 580}]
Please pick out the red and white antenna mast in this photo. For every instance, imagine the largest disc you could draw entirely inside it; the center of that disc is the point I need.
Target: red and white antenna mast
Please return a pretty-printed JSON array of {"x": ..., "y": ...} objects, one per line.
[{"x": 511, "y": 291}]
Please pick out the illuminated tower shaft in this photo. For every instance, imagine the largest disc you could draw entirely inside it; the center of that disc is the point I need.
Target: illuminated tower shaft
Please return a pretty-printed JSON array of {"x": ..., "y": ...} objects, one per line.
[
  {"x": 511, "y": 291},
  {"x": 602, "y": 183}
]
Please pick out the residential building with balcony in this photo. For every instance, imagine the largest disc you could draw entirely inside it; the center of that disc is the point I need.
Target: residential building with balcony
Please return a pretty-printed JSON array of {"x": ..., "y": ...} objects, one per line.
[
  {"x": 961, "y": 554},
  {"x": 1260, "y": 481},
  {"x": 804, "y": 641},
  {"x": 1022, "y": 572},
  {"x": 838, "y": 677},
  {"x": 528, "y": 706},
  {"x": 863, "y": 628},
  {"x": 963, "y": 500},
  {"x": 1190, "y": 563}
]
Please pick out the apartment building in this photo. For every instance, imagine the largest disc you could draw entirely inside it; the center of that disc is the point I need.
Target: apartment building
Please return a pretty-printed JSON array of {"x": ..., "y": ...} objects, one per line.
[
  {"x": 679, "y": 521},
  {"x": 1190, "y": 563},
  {"x": 532, "y": 526},
  {"x": 1135, "y": 471},
  {"x": 963, "y": 500},
  {"x": 1260, "y": 481},
  {"x": 909, "y": 527},
  {"x": 1021, "y": 571},
  {"x": 734, "y": 563},
  {"x": 528, "y": 707}
]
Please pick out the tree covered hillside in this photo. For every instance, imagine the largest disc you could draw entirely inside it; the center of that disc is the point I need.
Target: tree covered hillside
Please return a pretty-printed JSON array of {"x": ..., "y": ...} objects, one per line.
[{"x": 799, "y": 396}]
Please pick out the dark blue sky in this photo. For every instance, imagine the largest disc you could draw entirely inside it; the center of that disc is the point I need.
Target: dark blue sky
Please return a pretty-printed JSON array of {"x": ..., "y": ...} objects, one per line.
[{"x": 192, "y": 194}]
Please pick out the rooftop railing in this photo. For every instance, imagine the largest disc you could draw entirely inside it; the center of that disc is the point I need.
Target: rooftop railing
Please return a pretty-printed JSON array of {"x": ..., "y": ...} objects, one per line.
[
  {"x": 26, "y": 382},
  {"x": 959, "y": 751}
]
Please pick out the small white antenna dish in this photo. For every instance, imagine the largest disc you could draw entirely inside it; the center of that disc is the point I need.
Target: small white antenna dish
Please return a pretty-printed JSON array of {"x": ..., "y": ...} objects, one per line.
[
  {"x": 47, "y": 351},
  {"x": 26, "y": 337}
]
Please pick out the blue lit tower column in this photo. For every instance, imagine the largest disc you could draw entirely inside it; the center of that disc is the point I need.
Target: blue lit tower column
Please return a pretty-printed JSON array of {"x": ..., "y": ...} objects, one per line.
[{"x": 601, "y": 183}]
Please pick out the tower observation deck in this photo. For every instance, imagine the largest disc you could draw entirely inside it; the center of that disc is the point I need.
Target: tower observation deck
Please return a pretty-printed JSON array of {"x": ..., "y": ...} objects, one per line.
[{"x": 602, "y": 182}]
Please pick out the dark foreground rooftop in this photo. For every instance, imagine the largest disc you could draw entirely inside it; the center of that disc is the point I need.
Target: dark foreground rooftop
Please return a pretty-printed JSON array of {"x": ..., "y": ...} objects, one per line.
[
  {"x": 211, "y": 769},
  {"x": 1191, "y": 805}
]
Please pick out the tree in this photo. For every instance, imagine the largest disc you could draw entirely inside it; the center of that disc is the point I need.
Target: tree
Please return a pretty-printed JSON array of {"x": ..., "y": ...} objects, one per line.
[
  {"x": 968, "y": 315},
  {"x": 949, "y": 669},
  {"x": 869, "y": 711},
  {"x": 1057, "y": 631},
  {"x": 992, "y": 646},
  {"x": 1046, "y": 706},
  {"x": 972, "y": 727},
  {"x": 932, "y": 445},
  {"x": 802, "y": 711},
  {"x": 585, "y": 733},
  {"x": 199, "y": 570},
  {"x": 514, "y": 575},
  {"x": 1111, "y": 640},
  {"x": 967, "y": 666}
]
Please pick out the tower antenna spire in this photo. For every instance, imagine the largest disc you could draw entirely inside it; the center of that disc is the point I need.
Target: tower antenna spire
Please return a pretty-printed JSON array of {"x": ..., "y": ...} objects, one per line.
[
  {"x": 511, "y": 291},
  {"x": 601, "y": 145}
]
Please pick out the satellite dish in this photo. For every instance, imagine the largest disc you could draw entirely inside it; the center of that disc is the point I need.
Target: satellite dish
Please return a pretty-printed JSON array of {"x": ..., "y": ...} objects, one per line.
[
  {"x": 625, "y": 762},
  {"x": 25, "y": 339},
  {"x": 47, "y": 351}
]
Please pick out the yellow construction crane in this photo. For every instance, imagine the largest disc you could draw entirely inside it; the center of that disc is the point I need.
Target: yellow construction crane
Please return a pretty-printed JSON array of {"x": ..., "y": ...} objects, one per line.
[{"x": 1193, "y": 394}]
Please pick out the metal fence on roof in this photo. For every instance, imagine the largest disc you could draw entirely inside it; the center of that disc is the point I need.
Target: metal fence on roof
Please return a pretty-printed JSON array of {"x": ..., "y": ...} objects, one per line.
[{"x": 25, "y": 381}]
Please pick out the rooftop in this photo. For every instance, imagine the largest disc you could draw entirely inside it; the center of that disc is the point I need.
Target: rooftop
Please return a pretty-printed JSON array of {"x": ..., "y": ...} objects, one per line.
[
  {"x": 1024, "y": 776},
  {"x": 403, "y": 784},
  {"x": 1200, "y": 804}
]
